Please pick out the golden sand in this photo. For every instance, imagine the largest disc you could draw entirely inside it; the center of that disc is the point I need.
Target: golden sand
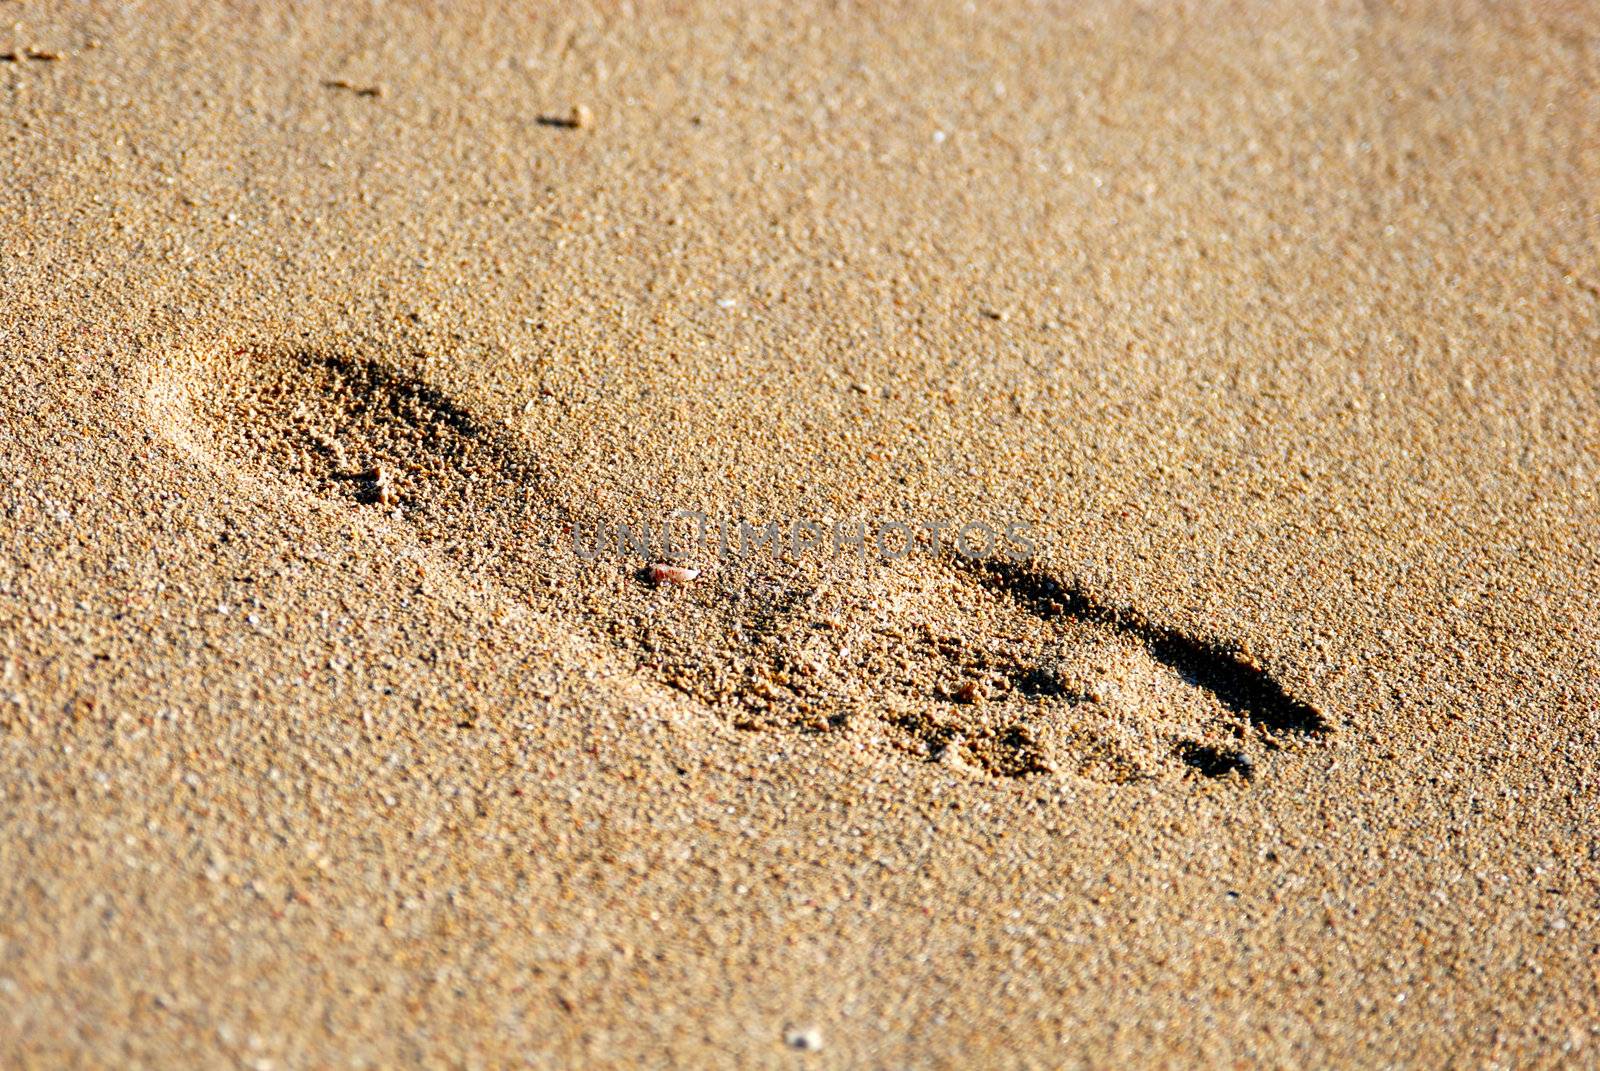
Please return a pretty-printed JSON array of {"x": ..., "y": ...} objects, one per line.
[{"x": 327, "y": 335}]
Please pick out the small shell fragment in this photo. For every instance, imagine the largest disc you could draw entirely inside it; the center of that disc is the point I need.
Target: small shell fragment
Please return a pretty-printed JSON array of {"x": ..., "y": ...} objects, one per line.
[
  {"x": 808, "y": 1040},
  {"x": 671, "y": 574},
  {"x": 381, "y": 489}
]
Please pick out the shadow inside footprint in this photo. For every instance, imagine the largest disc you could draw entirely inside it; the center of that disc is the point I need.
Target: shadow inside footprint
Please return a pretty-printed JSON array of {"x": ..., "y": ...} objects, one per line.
[{"x": 1229, "y": 674}]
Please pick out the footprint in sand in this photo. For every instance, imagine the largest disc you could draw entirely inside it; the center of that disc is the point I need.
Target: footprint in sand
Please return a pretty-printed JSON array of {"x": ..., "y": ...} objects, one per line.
[{"x": 986, "y": 666}]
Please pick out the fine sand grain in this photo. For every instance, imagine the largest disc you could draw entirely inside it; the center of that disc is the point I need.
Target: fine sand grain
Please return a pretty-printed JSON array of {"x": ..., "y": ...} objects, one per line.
[{"x": 1257, "y": 345}]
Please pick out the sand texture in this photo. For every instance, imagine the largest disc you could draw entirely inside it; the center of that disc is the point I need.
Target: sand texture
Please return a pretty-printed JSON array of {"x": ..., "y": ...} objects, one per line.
[{"x": 1262, "y": 340}]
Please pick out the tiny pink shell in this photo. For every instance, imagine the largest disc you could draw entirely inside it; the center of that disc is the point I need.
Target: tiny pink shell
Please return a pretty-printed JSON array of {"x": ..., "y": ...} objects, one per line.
[{"x": 672, "y": 574}]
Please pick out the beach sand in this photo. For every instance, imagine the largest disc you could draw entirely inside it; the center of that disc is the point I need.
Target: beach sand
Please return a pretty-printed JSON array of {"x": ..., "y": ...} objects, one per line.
[{"x": 1270, "y": 329}]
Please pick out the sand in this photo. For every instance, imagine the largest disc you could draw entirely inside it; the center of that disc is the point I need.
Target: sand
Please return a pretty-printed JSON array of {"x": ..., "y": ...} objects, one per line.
[{"x": 328, "y": 336}]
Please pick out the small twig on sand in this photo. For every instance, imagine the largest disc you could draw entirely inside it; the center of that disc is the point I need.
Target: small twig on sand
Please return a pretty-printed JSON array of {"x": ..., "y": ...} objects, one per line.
[
  {"x": 375, "y": 90},
  {"x": 43, "y": 55}
]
